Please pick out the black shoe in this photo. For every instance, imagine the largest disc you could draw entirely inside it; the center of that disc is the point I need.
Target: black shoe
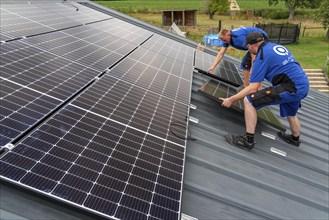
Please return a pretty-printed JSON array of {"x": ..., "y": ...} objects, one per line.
[
  {"x": 288, "y": 138},
  {"x": 239, "y": 141}
]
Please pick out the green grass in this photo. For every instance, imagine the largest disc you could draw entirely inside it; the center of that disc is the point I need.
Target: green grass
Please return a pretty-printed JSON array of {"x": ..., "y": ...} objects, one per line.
[
  {"x": 310, "y": 52},
  {"x": 152, "y": 7},
  {"x": 127, "y": 6}
]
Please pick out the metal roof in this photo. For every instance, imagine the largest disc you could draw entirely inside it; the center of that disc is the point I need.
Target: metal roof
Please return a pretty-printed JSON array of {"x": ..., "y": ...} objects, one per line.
[{"x": 224, "y": 182}]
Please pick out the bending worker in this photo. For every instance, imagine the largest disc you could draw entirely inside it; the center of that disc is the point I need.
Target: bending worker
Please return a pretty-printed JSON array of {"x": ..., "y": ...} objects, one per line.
[
  {"x": 236, "y": 39},
  {"x": 276, "y": 64}
]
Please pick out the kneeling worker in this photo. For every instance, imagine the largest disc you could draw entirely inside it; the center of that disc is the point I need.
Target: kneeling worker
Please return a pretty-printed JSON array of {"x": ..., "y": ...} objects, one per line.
[{"x": 290, "y": 85}]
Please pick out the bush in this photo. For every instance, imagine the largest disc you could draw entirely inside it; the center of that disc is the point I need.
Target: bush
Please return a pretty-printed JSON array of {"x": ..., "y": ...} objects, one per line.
[
  {"x": 304, "y": 13},
  {"x": 272, "y": 13},
  {"x": 282, "y": 13}
]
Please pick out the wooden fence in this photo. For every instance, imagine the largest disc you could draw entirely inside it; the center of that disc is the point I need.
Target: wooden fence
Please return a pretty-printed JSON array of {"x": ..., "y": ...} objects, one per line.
[{"x": 319, "y": 33}]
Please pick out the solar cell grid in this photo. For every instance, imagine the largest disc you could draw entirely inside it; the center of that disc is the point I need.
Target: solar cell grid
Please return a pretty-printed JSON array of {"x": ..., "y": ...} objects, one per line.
[
  {"x": 132, "y": 180},
  {"x": 73, "y": 11},
  {"x": 41, "y": 80},
  {"x": 134, "y": 106},
  {"x": 21, "y": 108},
  {"x": 229, "y": 71},
  {"x": 22, "y": 20},
  {"x": 157, "y": 73},
  {"x": 87, "y": 53},
  {"x": 124, "y": 30},
  {"x": 170, "y": 48},
  {"x": 14, "y": 24}
]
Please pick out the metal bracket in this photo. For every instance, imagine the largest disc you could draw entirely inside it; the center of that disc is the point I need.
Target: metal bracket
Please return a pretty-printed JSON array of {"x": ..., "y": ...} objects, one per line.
[
  {"x": 193, "y": 106},
  {"x": 268, "y": 135},
  {"x": 187, "y": 217},
  {"x": 192, "y": 119},
  {"x": 277, "y": 151}
]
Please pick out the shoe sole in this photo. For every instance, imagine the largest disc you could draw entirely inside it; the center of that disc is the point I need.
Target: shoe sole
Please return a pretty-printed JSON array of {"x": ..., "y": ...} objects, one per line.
[
  {"x": 235, "y": 145},
  {"x": 287, "y": 141}
]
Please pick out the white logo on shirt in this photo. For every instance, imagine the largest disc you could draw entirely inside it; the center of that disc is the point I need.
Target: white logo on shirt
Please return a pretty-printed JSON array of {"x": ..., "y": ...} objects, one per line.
[{"x": 280, "y": 50}]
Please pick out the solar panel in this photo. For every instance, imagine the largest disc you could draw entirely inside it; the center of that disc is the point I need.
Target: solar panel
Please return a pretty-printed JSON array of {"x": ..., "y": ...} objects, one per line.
[
  {"x": 226, "y": 70},
  {"x": 216, "y": 90}
]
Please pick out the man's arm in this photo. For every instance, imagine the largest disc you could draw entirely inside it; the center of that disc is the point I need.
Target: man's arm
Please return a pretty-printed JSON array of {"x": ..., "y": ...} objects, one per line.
[
  {"x": 217, "y": 59},
  {"x": 246, "y": 76},
  {"x": 253, "y": 87},
  {"x": 246, "y": 73}
]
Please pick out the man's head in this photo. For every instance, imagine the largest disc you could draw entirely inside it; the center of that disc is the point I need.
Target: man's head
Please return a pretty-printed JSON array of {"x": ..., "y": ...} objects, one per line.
[
  {"x": 225, "y": 35},
  {"x": 253, "y": 40},
  {"x": 254, "y": 37}
]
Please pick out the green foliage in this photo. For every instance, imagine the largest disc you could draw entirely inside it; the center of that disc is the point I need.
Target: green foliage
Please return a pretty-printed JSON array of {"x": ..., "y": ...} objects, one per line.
[
  {"x": 219, "y": 6},
  {"x": 223, "y": 6},
  {"x": 282, "y": 13},
  {"x": 272, "y": 13},
  {"x": 298, "y": 3},
  {"x": 212, "y": 8},
  {"x": 322, "y": 13},
  {"x": 292, "y": 5}
]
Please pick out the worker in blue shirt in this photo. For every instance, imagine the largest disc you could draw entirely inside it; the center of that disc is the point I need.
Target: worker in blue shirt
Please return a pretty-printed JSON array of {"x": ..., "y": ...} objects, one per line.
[
  {"x": 236, "y": 38},
  {"x": 276, "y": 64}
]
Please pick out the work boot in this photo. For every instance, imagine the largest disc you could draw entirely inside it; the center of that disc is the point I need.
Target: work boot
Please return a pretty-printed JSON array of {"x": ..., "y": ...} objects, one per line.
[
  {"x": 239, "y": 141},
  {"x": 288, "y": 138}
]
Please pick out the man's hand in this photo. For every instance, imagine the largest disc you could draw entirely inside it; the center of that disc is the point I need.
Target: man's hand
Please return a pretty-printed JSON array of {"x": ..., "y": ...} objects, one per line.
[
  {"x": 227, "y": 102},
  {"x": 211, "y": 69}
]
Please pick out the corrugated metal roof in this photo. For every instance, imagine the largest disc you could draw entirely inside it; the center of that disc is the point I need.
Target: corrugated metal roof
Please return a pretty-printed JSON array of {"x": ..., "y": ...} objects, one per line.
[{"x": 224, "y": 182}]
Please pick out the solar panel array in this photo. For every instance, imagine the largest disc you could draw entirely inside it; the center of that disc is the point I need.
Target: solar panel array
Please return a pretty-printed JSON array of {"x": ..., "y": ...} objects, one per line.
[
  {"x": 23, "y": 20},
  {"x": 216, "y": 90},
  {"x": 89, "y": 106}
]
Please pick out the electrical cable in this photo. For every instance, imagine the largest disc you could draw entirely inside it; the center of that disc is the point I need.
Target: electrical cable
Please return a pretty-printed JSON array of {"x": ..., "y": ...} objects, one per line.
[{"x": 182, "y": 125}]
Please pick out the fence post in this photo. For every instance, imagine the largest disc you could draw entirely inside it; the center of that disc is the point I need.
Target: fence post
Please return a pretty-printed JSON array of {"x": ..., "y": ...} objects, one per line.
[
  {"x": 279, "y": 40},
  {"x": 304, "y": 31}
]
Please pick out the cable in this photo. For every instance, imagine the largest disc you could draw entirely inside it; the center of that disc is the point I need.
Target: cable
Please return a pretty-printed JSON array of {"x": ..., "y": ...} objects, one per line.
[{"x": 182, "y": 125}]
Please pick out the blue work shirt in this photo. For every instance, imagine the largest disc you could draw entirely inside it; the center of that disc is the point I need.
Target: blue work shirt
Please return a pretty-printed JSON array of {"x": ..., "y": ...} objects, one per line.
[
  {"x": 238, "y": 37},
  {"x": 273, "y": 59}
]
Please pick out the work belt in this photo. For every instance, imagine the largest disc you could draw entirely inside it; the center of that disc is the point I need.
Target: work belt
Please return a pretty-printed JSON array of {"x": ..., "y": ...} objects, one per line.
[{"x": 271, "y": 94}]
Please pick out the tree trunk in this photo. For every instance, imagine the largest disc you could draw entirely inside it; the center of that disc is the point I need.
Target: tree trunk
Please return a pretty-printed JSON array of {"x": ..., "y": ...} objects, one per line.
[
  {"x": 291, "y": 13},
  {"x": 327, "y": 35}
]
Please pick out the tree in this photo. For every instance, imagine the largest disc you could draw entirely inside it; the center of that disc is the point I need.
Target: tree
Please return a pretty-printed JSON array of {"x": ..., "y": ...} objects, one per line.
[
  {"x": 217, "y": 6},
  {"x": 293, "y": 4},
  {"x": 322, "y": 15}
]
